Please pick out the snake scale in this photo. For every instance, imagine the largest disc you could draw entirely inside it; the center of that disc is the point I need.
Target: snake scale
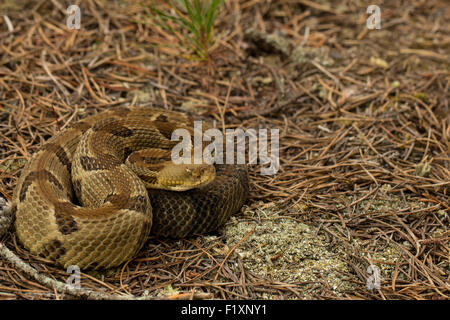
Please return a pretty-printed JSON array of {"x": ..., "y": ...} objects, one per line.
[{"x": 77, "y": 203}]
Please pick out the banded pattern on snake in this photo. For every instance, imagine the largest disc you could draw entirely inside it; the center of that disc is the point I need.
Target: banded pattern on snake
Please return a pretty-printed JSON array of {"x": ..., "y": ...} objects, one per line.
[{"x": 77, "y": 203}]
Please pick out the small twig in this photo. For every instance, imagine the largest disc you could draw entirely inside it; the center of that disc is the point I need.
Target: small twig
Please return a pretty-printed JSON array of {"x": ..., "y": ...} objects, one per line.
[{"x": 231, "y": 251}]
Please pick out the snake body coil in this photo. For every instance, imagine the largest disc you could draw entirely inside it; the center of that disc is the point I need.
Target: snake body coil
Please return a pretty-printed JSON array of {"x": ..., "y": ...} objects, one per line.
[{"x": 84, "y": 164}]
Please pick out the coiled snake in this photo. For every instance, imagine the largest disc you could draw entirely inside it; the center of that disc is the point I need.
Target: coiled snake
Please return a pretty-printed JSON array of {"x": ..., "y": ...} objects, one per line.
[{"x": 77, "y": 203}]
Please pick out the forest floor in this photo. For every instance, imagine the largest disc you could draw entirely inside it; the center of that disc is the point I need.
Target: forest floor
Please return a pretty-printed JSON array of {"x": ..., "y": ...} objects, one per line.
[{"x": 359, "y": 208}]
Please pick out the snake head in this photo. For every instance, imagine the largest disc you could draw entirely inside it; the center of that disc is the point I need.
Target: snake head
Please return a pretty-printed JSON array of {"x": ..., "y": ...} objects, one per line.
[{"x": 184, "y": 177}]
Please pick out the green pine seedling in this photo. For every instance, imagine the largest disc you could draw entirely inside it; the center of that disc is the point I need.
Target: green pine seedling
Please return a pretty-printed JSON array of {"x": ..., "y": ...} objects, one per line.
[{"x": 196, "y": 17}]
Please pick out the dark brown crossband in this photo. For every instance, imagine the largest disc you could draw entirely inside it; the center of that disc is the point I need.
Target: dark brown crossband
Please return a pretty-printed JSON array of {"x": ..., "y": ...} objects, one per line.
[
  {"x": 41, "y": 175},
  {"x": 60, "y": 153},
  {"x": 53, "y": 249},
  {"x": 64, "y": 211},
  {"x": 112, "y": 126}
]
